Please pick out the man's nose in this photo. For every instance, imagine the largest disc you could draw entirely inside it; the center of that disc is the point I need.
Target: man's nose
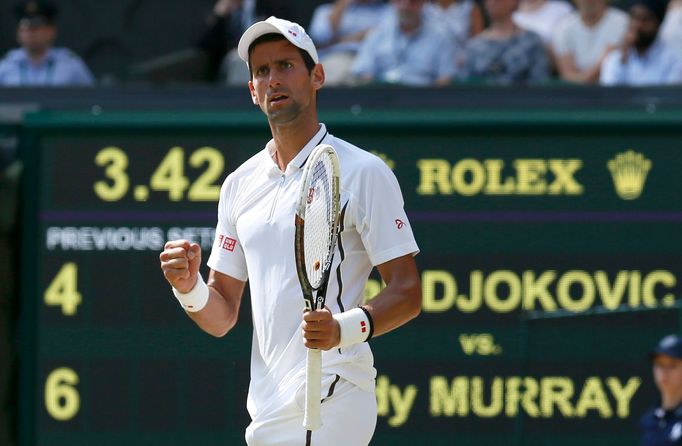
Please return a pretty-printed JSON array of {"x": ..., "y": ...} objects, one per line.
[{"x": 274, "y": 77}]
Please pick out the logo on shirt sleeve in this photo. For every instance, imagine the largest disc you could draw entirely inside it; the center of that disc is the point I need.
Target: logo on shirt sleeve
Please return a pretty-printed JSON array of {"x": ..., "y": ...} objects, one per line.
[
  {"x": 399, "y": 223},
  {"x": 227, "y": 243}
]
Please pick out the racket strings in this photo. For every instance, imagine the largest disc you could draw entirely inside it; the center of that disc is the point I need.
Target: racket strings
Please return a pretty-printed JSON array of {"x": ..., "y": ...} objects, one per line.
[{"x": 319, "y": 221}]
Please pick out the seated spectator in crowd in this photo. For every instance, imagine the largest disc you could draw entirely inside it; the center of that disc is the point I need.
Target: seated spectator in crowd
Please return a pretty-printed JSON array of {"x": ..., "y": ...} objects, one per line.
[
  {"x": 406, "y": 49},
  {"x": 225, "y": 25},
  {"x": 660, "y": 425},
  {"x": 505, "y": 53},
  {"x": 583, "y": 40},
  {"x": 462, "y": 18},
  {"x": 542, "y": 16},
  {"x": 38, "y": 62},
  {"x": 671, "y": 30},
  {"x": 643, "y": 59},
  {"x": 338, "y": 29}
]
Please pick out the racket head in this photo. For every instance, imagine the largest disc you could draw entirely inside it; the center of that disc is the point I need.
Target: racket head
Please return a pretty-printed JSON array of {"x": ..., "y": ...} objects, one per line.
[{"x": 317, "y": 218}]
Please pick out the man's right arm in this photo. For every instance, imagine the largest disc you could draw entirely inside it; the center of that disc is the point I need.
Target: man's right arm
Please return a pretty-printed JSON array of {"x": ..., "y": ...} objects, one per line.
[
  {"x": 180, "y": 261},
  {"x": 221, "y": 311}
]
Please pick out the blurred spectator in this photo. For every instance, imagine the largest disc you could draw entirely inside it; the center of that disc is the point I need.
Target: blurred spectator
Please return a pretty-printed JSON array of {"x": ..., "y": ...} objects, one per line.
[
  {"x": 662, "y": 425},
  {"x": 583, "y": 40},
  {"x": 406, "y": 49},
  {"x": 671, "y": 30},
  {"x": 225, "y": 25},
  {"x": 643, "y": 59},
  {"x": 542, "y": 16},
  {"x": 462, "y": 18},
  {"x": 37, "y": 62},
  {"x": 338, "y": 29},
  {"x": 505, "y": 53}
]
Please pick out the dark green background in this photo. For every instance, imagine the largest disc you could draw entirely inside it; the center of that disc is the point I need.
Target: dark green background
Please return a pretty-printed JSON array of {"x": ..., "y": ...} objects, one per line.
[{"x": 136, "y": 353}]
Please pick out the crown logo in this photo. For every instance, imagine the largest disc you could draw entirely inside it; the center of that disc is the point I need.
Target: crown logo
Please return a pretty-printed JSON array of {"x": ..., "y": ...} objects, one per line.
[{"x": 629, "y": 170}]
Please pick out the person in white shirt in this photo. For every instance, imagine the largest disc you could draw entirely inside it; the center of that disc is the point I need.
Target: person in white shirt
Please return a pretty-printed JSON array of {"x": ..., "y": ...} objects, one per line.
[
  {"x": 255, "y": 242},
  {"x": 584, "y": 38},
  {"x": 542, "y": 16},
  {"x": 644, "y": 58}
]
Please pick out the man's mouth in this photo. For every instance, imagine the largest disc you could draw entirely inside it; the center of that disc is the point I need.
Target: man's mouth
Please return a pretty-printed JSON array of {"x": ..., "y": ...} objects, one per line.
[{"x": 277, "y": 97}]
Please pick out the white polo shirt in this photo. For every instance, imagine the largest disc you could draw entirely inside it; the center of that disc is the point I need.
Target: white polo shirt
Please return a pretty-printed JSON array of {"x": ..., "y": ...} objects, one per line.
[
  {"x": 255, "y": 241},
  {"x": 587, "y": 44}
]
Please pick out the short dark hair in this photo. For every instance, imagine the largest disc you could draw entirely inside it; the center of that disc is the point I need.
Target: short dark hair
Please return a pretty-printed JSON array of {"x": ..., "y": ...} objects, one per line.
[{"x": 273, "y": 37}]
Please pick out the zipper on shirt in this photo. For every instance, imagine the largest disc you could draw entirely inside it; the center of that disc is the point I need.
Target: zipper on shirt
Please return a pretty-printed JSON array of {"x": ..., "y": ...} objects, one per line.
[{"x": 274, "y": 201}]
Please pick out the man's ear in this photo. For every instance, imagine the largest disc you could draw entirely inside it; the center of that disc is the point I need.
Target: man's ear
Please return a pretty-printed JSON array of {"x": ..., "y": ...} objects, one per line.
[
  {"x": 252, "y": 90},
  {"x": 318, "y": 76}
]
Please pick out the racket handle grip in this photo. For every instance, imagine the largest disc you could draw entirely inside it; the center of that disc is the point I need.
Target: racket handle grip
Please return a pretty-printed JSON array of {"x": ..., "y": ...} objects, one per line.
[{"x": 313, "y": 385}]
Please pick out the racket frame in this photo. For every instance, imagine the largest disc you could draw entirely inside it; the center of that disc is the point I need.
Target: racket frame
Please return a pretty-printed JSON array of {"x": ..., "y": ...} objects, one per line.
[{"x": 315, "y": 297}]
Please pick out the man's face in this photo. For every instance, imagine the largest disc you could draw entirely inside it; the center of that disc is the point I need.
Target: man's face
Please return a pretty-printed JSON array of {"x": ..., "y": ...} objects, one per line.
[
  {"x": 280, "y": 84},
  {"x": 668, "y": 373},
  {"x": 36, "y": 38},
  {"x": 590, "y": 6},
  {"x": 643, "y": 26},
  {"x": 500, "y": 9},
  {"x": 409, "y": 12}
]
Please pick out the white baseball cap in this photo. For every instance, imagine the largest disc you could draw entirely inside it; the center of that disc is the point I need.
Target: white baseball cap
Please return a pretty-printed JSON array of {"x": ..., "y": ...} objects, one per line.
[{"x": 293, "y": 32}]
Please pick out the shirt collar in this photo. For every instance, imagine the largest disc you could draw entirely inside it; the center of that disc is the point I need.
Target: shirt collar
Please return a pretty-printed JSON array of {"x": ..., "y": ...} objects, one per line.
[
  {"x": 660, "y": 412},
  {"x": 48, "y": 59},
  {"x": 299, "y": 160},
  {"x": 650, "y": 54}
]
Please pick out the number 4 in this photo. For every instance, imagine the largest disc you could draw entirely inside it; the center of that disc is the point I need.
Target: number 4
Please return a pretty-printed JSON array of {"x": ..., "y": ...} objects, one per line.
[{"x": 63, "y": 291}]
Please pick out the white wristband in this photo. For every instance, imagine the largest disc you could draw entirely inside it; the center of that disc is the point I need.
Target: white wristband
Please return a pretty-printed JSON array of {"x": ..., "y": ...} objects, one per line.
[
  {"x": 356, "y": 327},
  {"x": 196, "y": 299}
]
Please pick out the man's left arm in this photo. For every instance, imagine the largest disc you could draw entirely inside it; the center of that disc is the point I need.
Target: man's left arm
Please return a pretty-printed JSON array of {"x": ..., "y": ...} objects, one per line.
[
  {"x": 398, "y": 303},
  {"x": 401, "y": 300}
]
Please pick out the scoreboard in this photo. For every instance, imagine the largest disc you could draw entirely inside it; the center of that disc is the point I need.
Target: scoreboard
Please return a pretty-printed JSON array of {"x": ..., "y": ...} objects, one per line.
[{"x": 550, "y": 263}]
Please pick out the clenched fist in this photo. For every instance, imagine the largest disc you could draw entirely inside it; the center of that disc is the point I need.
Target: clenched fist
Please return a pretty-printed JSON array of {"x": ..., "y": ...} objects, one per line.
[{"x": 180, "y": 261}]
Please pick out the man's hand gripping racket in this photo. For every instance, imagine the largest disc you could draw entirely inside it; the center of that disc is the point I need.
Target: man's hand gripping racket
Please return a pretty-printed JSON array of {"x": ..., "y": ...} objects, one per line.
[{"x": 317, "y": 223}]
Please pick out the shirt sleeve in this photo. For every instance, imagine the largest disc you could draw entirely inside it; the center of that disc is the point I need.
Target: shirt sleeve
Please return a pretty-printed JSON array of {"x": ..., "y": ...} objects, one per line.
[
  {"x": 365, "y": 61},
  {"x": 560, "y": 41},
  {"x": 674, "y": 74},
  {"x": 320, "y": 29},
  {"x": 227, "y": 254},
  {"x": 4, "y": 68},
  {"x": 81, "y": 74},
  {"x": 380, "y": 218},
  {"x": 447, "y": 57},
  {"x": 611, "y": 69}
]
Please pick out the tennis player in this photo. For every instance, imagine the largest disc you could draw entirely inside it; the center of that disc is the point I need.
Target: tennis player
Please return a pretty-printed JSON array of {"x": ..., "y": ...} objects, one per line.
[{"x": 255, "y": 242}]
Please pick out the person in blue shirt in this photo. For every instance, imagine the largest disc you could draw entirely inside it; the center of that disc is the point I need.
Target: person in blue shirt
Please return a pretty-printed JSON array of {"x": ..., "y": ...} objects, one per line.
[
  {"x": 644, "y": 59},
  {"x": 406, "y": 48},
  {"x": 338, "y": 28},
  {"x": 662, "y": 425},
  {"x": 37, "y": 62}
]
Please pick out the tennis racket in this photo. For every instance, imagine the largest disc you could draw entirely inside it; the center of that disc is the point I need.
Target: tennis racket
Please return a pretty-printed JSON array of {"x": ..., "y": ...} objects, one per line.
[{"x": 317, "y": 222}]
